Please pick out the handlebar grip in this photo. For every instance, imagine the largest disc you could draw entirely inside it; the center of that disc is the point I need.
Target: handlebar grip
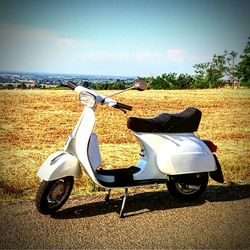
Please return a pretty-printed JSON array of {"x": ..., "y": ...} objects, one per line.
[
  {"x": 122, "y": 106},
  {"x": 69, "y": 84}
]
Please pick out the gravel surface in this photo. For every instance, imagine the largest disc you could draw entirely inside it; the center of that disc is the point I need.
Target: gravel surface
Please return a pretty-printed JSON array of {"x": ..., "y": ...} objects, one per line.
[{"x": 220, "y": 219}]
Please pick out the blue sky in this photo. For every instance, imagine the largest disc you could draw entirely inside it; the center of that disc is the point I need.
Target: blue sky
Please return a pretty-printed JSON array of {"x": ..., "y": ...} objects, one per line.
[{"x": 119, "y": 37}]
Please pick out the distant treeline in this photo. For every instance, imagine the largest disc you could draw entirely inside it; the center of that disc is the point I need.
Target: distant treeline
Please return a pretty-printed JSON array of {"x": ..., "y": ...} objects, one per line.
[
  {"x": 221, "y": 71},
  {"x": 26, "y": 86}
]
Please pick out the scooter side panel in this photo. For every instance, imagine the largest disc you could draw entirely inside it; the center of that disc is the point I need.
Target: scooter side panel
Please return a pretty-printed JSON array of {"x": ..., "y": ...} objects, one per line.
[
  {"x": 147, "y": 162},
  {"x": 178, "y": 153},
  {"x": 83, "y": 133},
  {"x": 58, "y": 165}
]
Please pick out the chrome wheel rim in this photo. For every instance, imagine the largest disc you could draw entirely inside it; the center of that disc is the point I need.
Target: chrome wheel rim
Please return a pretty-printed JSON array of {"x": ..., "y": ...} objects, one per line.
[
  {"x": 186, "y": 189},
  {"x": 57, "y": 192}
]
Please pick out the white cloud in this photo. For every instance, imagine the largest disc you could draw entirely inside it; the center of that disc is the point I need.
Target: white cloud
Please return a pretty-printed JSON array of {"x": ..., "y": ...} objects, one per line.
[
  {"x": 175, "y": 54},
  {"x": 146, "y": 56},
  {"x": 19, "y": 35},
  {"x": 105, "y": 56},
  {"x": 141, "y": 57},
  {"x": 68, "y": 42},
  {"x": 36, "y": 49}
]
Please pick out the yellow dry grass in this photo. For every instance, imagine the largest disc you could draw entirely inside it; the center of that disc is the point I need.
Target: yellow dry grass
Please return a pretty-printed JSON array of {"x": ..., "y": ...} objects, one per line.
[{"x": 36, "y": 123}]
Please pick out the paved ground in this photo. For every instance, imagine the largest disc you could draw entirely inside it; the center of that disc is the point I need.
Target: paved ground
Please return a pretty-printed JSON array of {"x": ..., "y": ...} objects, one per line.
[{"x": 221, "y": 219}]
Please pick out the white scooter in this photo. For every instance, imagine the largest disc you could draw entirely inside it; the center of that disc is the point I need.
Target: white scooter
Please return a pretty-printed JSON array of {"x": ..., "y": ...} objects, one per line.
[{"x": 170, "y": 153}]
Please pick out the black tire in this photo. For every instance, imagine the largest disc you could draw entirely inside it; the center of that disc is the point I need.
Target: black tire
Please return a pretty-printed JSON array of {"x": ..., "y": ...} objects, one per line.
[
  {"x": 187, "y": 191},
  {"x": 52, "y": 195}
]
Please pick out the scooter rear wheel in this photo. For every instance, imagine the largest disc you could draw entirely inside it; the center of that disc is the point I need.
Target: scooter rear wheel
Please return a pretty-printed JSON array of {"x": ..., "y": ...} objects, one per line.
[
  {"x": 188, "y": 191},
  {"x": 52, "y": 195}
]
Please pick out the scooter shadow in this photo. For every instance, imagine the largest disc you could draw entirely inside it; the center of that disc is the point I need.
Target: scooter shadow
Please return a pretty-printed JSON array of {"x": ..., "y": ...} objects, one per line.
[{"x": 153, "y": 201}]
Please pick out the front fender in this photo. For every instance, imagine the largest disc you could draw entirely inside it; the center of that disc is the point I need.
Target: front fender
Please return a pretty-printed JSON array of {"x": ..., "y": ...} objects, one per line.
[{"x": 58, "y": 165}]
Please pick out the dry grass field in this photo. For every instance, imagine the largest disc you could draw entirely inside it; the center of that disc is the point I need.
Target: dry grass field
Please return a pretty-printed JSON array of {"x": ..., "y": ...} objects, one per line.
[{"x": 35, "y": 123}]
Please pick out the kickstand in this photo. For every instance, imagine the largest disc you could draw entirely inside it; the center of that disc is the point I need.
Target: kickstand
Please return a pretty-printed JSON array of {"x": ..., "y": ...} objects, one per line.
[
  {"x": 123, "y": 203},
  {"x": 107, "y": 197}
]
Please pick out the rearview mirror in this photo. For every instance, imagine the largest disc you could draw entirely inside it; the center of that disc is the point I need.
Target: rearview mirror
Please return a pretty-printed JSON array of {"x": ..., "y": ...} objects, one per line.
[{"x": 140, "y": 84}]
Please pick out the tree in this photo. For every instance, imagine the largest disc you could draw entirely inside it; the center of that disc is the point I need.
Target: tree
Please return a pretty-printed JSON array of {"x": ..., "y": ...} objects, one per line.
[
  {"x": 230, "y": 68},
  {"x": 243, "y": 68},
  {"x": 165, "y": 81},
  {"x": 22, "y": 86},
  {"x": 210, "y": 74},
  {"x": 200, "y": 80},
  {"x": 156, "y": 83},
  {"x": 149, "y": 80},
  {"x": 170, "y": 80},
  {"x": 216, "y": 71},
  {"x": 9, "y": 86},
  {"x": 184, "y": 81}
]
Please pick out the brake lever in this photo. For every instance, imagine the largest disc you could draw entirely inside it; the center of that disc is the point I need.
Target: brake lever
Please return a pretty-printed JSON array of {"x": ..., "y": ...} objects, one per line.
[{"x": 124, "y": 111}]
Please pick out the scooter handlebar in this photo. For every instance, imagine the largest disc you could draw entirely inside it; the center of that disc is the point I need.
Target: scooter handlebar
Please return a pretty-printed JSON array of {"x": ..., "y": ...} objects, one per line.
[
  {"x": 103, "y": 99},
  {"x": 119, "y": 105}
]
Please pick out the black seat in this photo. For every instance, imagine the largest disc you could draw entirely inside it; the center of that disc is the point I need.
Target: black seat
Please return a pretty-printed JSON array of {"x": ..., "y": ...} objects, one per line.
[{"x": 184, "y": 122}]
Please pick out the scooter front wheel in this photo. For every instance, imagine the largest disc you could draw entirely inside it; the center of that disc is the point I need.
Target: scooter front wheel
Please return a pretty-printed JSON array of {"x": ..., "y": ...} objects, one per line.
[
  {"x": 52, "y": 195},
  {"x": 185, "y": 190}
]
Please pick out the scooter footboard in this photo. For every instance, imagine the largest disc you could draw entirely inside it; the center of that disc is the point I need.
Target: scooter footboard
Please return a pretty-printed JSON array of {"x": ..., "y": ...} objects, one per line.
[{"x": 58, "y": 165}]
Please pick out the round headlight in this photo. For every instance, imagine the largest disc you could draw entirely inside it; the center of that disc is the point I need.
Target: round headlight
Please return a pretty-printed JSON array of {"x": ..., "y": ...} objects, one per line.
[{"x": 87, "y": 99}]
